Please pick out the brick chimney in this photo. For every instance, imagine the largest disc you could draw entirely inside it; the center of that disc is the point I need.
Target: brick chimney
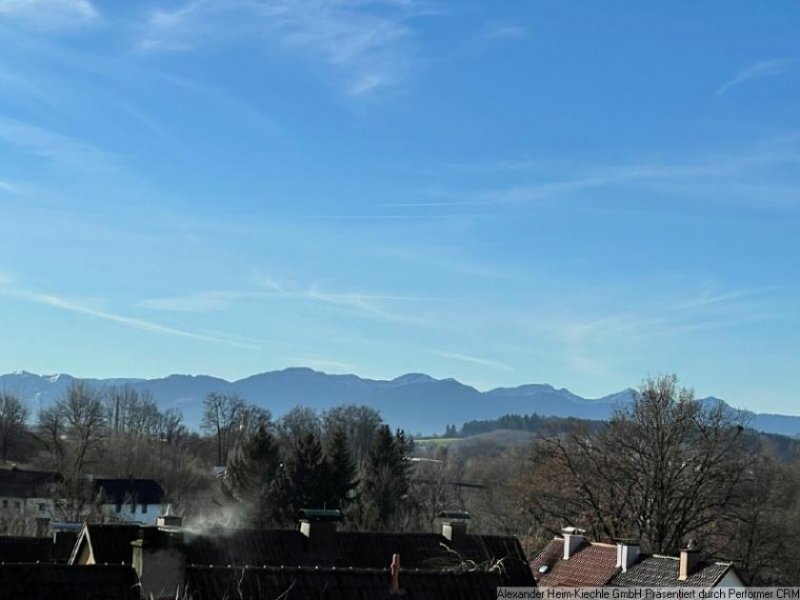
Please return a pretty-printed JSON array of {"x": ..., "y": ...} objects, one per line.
[
  {"x": 454, "y": 524},
  {"x": 689, "y": 557},
  {"x": 627, "y": 553},
  {"x": 573, "y": 539},
  {"x": 159, "y": 559}
]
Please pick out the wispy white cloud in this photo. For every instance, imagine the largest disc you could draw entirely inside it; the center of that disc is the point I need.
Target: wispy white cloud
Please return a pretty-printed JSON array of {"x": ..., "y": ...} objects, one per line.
[
  {"x": 710, "y": 297},
  {"x": 475, "y": 360},
  {"x": 73, "y": 306},
  {"x": 365, "y": 42},
  {"x": 501, "y": 31},
  {"x": 8, "y": 188},
  {"x": 367, "y": 304},
  {"x": 759, "y": 70},
  {"x": 220, "y": 98},
  {"x": 203, "y": 302},
  {"x": 598, "y": 342},
  {"x": 61, "y": 150},
  {"x": 49, "y": 14},
  {"x": 765, "y": 173}
]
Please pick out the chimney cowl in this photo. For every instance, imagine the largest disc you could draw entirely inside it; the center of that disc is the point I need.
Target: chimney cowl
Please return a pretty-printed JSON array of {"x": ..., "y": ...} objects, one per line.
[
  {"x": 320, "y": 515},
  {"x": 573, "y": 539},
  {"x": 454, "y": 515}
]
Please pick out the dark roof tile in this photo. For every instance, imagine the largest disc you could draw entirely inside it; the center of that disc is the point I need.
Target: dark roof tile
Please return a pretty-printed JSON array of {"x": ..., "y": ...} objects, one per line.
[
  {"x": 16, "y": 549},
  {"x": 120, "y": 491},
  {"x": 111, "y": 543},
  {"x": 661, "y": 571},
  {"x": 16, "y": 483},
  {"x": 206, "y": 583},
  {"x": 38, "y": 581}
]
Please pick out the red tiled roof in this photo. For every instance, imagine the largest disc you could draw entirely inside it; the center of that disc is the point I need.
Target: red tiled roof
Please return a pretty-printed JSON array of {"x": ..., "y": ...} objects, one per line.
[{"x": 591, "y": 565}]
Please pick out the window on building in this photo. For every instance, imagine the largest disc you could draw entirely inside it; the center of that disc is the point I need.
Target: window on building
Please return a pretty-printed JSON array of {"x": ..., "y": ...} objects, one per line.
[
  {"x": 144, "y": 508},
  {"x": 42, "y": 507},
  {"x": 17, "y": 504},
  {"x": 119, "y": 508},
  {"x": 5, "y": 503}
]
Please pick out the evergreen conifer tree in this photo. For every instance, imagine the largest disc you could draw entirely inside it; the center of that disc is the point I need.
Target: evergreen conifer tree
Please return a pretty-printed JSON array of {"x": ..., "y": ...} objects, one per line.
[
  {"x": 342, "y": 470},
  {"x": 386, "y": 483}
]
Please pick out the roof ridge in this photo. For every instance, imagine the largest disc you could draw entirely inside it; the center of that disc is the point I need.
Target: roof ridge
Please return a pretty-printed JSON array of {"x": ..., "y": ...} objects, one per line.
[{"x": 603, "y": 544}]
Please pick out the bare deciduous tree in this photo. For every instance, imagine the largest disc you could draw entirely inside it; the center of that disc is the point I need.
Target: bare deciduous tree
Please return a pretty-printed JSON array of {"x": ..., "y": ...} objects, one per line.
[
  {"x": 85, "y": 419},
  {"x": 222, "y": 417},
  {"x": 663, "y": 469}
]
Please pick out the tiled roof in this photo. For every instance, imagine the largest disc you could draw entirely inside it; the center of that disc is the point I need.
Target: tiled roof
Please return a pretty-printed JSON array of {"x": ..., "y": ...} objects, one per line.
[
  {"x": 292, "y": 583},
  {"x": 63, "y": 544},
  {"x": 121, "y": 491},
  {"x": 592, "y": 565},
  {"x": 16, "y": 483},
  {"x": 663, "y": 571},
  {"x": 246, "y": 547},
  {"x": 350, "y": 549},
  {"x": 38, "y": 581},
  {"x": 15, "y": 549}
]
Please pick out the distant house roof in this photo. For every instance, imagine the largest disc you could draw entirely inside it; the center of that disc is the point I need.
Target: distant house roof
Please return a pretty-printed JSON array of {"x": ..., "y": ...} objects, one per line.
[
  {"x": 17, "y": 483},
  {"x": 37, "y": 581},
  {"x": 591, "y": 565},
  {"x": 120, "y": 491},
  {"x": 660, "y": 571},
  {"x": 106, "y": 544}
]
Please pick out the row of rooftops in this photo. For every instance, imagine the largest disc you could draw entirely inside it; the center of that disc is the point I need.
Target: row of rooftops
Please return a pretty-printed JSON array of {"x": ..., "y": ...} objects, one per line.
[
  {"x": 573, "y": 561},
  {"x": 167, "y": 559}
]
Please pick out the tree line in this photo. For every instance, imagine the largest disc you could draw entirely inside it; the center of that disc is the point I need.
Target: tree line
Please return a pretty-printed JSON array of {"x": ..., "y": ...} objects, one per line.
[{"x": 344, "y": 458}]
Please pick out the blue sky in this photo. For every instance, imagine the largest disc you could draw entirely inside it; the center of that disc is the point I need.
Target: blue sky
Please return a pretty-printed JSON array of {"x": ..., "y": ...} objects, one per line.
[{"x": 580, "y": 193}]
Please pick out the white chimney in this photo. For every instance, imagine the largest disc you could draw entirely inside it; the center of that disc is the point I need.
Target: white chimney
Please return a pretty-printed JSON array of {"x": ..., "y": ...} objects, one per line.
[
  {"x": 573, "y": 539},
  {"x": 627, "y": 554},
  {"x": 688, "y": 561},
  {"x": 319, "y": 526},
  {"x": 168, "y": 518},
  {"x": 454, "y": 525}
]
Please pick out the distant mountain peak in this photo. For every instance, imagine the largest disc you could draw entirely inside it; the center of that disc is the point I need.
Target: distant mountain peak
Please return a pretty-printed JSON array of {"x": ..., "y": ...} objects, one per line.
[{"x": 411, "y": 378}]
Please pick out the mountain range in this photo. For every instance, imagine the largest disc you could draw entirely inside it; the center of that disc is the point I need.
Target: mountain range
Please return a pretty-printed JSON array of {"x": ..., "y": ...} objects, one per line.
[{"x": 415, "y": 402}]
